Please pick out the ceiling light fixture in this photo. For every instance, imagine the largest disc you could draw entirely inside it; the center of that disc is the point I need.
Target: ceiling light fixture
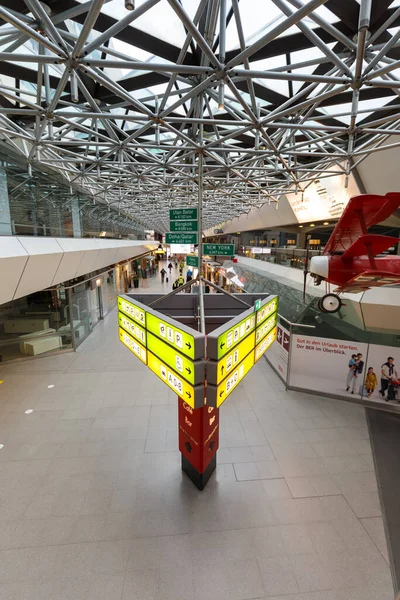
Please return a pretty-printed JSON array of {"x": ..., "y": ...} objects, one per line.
[
  {"x": 129, "y": 4},
  {"x": 326, "y": 223},
  {"x": 29, "y": 411},
  {"x": 312, "y": 225}
]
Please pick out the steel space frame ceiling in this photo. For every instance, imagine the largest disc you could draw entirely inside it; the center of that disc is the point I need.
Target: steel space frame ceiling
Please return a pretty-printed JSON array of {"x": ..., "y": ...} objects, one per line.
[{"x": 261, "y": 96}]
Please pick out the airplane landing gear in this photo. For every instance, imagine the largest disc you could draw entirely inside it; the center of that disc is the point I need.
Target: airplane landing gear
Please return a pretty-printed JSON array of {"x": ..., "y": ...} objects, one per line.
[{"x": 330, "y": 303}]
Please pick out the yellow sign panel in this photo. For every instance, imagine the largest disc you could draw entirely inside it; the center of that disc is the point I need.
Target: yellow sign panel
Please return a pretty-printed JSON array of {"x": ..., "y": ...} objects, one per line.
[
  {"x": 267, "y": 310},
  {"x": 171, "y": 357},
  {"x": 175, "y": 337},
  {"x": 229, "y": 361},
  {"x": 131, "y": 310},
  {"x": 133, "y": 345},
  {"x": 264, "y": 345},
  {"x": 135, "y": 330},
  {"x": 228, "y": 385},
  {"x": 266, "y": 327},
  {"x": 173, "y": 381}
]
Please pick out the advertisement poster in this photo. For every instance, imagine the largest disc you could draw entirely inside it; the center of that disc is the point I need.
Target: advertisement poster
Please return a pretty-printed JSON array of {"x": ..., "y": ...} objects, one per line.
[
  {"x": 384, "y": 362},
  {"x": 327, "y": 365},
  {"x": 278, "y": 354},
  {"x": 324, "y": 199}
]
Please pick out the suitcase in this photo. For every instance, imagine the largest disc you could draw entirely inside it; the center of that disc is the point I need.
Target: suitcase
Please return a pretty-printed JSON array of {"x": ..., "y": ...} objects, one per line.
[
  {"x": 167, "y": 280},
  {"x": 392, "y": 392}
]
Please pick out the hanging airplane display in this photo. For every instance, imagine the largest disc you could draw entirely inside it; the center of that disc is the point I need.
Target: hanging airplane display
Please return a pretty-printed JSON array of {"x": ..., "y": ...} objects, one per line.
[{"x": 352, "y": 259}]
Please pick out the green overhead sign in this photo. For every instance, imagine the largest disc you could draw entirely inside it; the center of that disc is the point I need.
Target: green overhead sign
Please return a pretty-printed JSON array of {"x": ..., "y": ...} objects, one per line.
[
  {"x": 184, "y": 226},
  {"x": 219, "y": 249},
  {"x": 183, "y": 214},
  {"x": 181, "y": 238},
  {"x": 192, "y": 261}
]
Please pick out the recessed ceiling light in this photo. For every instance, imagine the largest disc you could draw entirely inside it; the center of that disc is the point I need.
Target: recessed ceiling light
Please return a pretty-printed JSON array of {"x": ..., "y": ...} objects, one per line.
[
  {"x": 312, "y": 225},
  {"x": 300, "y": 226},
  {"x": 326, "y": 223},
  {"x": 50, "y": 386},
  {"x": 1, "y": 446},
  {"x": 29, "y": 411}
]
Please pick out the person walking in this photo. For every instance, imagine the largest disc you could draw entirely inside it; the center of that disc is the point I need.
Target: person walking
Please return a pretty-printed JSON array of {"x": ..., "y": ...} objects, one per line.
[
  {"x": 181, "y": 281},
  {"x": 170, "y": 267},
  {"x": 388, "y": 372},
  {"x": 163, "y": 273}
]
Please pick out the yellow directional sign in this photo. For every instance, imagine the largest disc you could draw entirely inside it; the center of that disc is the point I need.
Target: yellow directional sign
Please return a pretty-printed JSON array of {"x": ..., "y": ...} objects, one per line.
[
  {"x": 132, "y": 310},
  {"x": 175, "y": 337},
  {"x": 264, "y": 345},
  {"x": 193, "y": 372},
  {"x": 216, "y": 395},
  {"x": 135, "y": 330},
  {"x": 231, "y": 337},
  {"x": 217, "y": 371},
  {"x": 133, "y": 345},
  {"x": 266, "y": 327},
  {"x": 267, "y": 309},
  {"x": 194, "y": 396}
]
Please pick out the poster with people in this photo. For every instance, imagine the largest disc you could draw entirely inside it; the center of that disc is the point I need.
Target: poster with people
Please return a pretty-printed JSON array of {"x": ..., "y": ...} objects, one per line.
[
  {"x": 327, "y": 365},
  {"x": 383, "y": 372},
  {"x": 347, "y": 369},
  {"x": 277, "y": 355}
]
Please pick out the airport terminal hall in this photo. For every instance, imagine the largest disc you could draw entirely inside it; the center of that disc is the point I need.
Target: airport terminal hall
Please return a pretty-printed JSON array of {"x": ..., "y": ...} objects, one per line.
[{"x": 199, "y": 299}]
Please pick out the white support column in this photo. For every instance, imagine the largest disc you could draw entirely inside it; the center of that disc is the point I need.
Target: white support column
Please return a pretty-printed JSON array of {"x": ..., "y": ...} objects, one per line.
[
  {"x": 76, "y": 218},
  {"x": 5, "y": 218}
]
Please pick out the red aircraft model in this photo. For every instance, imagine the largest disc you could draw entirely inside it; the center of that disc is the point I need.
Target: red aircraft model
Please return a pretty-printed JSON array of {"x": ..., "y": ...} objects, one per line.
[{"x": 351, "y": 258}]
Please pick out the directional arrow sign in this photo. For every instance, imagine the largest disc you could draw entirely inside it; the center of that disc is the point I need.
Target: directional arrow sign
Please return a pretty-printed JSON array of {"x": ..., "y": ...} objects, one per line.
[
  {"x": 266, "y": 327},
  {"x": 264, "y": 345},
  {"x": 180, "y": 339},
  {"x": 134, "y": 346},
  {"x": 217, "y": 371},
  {"x": 192, "y": 261},
  {"x": 219, "y": 249},
  {"x": 184, "y": 226},
  {"x": 193, "y": 396},
  {"x": 179, "y": 214},
  {"x": 193, "y": 372},
  {"x": 132, "y": 310},
  {"x": 216, "y": 395},
  {"x": 267, "y": 308},
  {"x": 181, "y": 238},
  {"x": 132, "y": 328},
  {"x": 226, "y": 337}
]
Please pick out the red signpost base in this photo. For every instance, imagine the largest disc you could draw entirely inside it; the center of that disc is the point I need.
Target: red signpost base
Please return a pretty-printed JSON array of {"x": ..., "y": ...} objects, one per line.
[{"x": 198, "y": 441}]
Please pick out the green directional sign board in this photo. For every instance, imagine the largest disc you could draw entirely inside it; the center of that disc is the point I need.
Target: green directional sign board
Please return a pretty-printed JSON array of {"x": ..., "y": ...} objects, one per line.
[
  {"x": 192, "y": 261},
  {"x": 219, "y": 249},
  {"x": 183, "y": 214},
  {"x": 181, "y": 238},
  {"x": 184, "y": 226}
]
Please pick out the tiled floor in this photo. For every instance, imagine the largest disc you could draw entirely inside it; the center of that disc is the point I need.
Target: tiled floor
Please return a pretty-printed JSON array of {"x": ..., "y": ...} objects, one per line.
[{"x": 93, "y": 505}]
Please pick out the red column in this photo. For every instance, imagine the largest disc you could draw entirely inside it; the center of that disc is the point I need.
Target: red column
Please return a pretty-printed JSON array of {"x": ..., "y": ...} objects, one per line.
[{"x": 198, "y": 441}]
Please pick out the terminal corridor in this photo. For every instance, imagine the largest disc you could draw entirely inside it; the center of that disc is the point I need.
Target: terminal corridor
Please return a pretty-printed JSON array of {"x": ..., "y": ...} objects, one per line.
[{"x": 93, "y": 503}]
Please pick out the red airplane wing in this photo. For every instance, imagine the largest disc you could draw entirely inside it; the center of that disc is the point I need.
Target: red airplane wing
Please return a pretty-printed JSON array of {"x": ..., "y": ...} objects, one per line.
[
  {"x": 368, "y": 279},
  {"x": 360, "y": 213},
  {"x": 375, "y": 243}
]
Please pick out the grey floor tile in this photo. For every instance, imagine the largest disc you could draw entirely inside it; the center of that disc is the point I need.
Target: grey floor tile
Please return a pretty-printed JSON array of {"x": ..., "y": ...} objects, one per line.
[
  {"x": 244, "y": 580},
  {"x": 278, "y": 576}
]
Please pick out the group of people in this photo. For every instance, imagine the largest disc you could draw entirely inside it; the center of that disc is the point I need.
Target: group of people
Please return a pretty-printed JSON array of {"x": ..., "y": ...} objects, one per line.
[
  {"x": 180, "y": 280},
  {"x": 388, "y": 376}
]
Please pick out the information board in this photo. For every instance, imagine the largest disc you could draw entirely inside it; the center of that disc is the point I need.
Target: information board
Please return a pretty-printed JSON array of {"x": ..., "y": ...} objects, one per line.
[
  {"x": 193, "y": 372},
  {"x": 266, "y": 327},
  {"x": 175, "y": 337},
  {"x": 219, "y": 249},
  {"x": 183, "y": 226},
  {"x": 216, "y": 395},
  {"x": 132, "y": 310},
  {"x": 194, "y": 396},
  {"x": 192, "y": 261},
  {"x": 181, "y": 238},
  {"x": 183, "y": 214},
  {"x": 132, "y": 328},
  {"x": 134, "y": 346},
  {"x": 217, "y": 371},
  {"x": 264, "y": 345}
]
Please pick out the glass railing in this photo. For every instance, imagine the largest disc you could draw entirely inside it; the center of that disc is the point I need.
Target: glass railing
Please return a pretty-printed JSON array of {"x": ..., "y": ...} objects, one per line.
[{"x": 43, "y": 230}]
